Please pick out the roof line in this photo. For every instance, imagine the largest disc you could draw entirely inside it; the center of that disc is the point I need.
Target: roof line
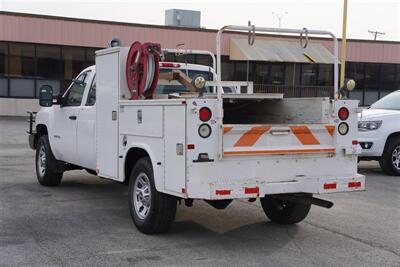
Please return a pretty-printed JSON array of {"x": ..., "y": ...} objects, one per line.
[{"x": 21, "y": 14}]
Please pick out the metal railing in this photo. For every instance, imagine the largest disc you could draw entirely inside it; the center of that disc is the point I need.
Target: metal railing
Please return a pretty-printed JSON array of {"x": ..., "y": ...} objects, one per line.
[{"x": 295, "y": 91}]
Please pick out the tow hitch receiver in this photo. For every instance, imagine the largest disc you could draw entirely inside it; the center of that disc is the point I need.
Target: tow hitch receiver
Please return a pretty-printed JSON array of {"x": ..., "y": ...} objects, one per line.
[{"x": 305, "y": 198}]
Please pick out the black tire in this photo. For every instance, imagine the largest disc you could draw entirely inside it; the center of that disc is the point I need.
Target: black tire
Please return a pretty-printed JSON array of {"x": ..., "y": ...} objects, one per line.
[
  {"x": 388, "y": 161},
  {"x": 158, "y": 214},
  {"x": 45, "y": 162},
  {"x": 284, "y": 212}
]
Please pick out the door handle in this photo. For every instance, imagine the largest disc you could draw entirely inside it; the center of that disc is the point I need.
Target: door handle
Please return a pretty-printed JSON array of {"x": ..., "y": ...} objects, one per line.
[{"x": 72, "y": 117}]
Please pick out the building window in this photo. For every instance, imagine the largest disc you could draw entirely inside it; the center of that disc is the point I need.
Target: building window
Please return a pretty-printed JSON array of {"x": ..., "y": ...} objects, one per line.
[
  {"x": 325, "y": 75},
  {"x": 240, "y": 72},
  {"x": 227, "y": 69},
  {"x": 48, "y": 61},
  {"x": 22, "y": 87},
  {"x": 397, "y": 79},
  {"x": 387, "y": 79},
  {"x": 73, "y": 61},
  {"x": 22, "y": 60},
  {"x": 3, "y": 58},
  {"x": 3, "y": 87},
  {"x": 261, "y": 73},
  {"x": 90, "y": 56},
  {"x": 277, "y": 74},
  {"x": 309, "y": 74},
  {"x": 273, "y": 74},
  {"x": 371, "y": 83},
  {"x": 356, "y": 71}
]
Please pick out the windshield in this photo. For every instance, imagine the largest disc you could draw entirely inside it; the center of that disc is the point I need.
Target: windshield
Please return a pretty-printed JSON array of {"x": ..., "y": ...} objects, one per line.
[
  {"x": 391, "y": 101},
  {"x": 169, "y": 89}
]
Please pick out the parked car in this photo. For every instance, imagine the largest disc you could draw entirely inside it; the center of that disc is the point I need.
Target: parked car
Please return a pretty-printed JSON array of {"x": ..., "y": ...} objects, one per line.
[{"x": 379, "y": 133}]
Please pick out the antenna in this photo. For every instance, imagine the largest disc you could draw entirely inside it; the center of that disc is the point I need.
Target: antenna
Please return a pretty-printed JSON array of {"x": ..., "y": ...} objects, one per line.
[
  {"x": 279, "y": 17},
  {"x": 376, "y": 33}
]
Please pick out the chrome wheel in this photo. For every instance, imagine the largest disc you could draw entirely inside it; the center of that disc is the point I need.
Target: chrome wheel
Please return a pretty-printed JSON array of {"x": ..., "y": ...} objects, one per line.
[
  {"x": 41, "y": 161},
  {"x": 142, "y": 196},
  {"x": 396, "y": 158}
]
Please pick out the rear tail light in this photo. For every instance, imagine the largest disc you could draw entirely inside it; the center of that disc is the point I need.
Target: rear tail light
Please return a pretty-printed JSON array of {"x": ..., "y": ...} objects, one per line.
[
  {"x": 205, "y": 114},
  {"x": 343, "y": 128},
  {"x": 204, "y": 130},
  {"x": 343, "y": 113}
]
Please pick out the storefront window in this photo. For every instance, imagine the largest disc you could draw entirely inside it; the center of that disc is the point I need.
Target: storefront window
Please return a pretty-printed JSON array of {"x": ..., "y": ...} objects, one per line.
[
  {"x": 387, "y": 78},
  {"x": 73, "y": 62},
  {"x": 241, "y": 71},
  {"x": 227, "y": 69},
  {"x": 277, "y": 74},
  {"x": 261, "y": 73},
  {"x": 3, "y": 58},
  {"x": 325, "y": 75},
  {"x": 397, "y": 79},
  {"x": 90, "y": 56},
  {"x": 48, "y": 61},
  {"x": 22, "y": 59},
  {"x": 309, "y": 74}
]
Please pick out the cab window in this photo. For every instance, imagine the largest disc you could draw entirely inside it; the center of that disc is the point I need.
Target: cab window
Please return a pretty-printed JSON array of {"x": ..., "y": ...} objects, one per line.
[
  {"x": 74, "y": 95},
  {"x": 91, "y": 98}
]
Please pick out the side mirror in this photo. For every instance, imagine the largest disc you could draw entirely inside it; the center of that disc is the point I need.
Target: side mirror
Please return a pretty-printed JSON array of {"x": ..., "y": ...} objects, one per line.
[{"x": 46, "y": 96}]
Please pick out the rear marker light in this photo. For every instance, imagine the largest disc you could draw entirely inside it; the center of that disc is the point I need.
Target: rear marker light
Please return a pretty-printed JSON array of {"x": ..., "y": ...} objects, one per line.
[
  {"x": 343, "y": 113},
  {"x": 205, "y": 114},
  {"x": 343, "y": 128},
  {"x": 330, "y": 186},
  {"x": 354, "y": 142},
  {"x": 222, "y": 192},
  {"x": 204, "y": 130},
  {"x": 354, "y": 184},
  {"x": 169, "y": 65},
  {"x": 190, "y": 146},
  {"x": 252, "y": 190}
]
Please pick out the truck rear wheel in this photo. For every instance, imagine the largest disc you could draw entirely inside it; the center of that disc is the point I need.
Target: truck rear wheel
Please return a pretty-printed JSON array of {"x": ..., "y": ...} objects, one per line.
[
  {"x": 152, "y": 212},
  {"x": 45, "y": 164},
  {"x": 390, "y": 159},
  {"x": 283, "y": 211}
]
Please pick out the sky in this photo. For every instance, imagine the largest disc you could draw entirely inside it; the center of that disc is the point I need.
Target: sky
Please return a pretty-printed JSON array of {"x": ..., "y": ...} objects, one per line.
[{"x": 363, "y": 15}]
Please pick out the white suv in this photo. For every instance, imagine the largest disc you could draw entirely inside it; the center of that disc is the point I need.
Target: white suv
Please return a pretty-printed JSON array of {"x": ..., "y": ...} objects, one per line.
[{"x": 379, "y": 133}]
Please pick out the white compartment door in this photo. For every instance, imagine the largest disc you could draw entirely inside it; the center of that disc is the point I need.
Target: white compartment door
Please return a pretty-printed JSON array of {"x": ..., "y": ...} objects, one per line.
[
  {"x": 107, "y": 75},
  {"x": 174, "y": 138}
]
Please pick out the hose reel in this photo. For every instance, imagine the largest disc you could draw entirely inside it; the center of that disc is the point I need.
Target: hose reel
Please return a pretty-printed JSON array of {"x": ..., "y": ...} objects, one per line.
[{"x": 142, "y": 69}]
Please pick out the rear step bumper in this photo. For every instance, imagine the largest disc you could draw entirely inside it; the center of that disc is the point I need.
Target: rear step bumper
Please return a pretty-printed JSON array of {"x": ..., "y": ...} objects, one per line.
[{"x": 252, "y": 189}]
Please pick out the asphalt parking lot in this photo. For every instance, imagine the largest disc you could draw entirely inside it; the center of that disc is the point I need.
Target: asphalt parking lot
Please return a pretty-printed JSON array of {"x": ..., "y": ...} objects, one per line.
[{"x": 86, "y": 221}]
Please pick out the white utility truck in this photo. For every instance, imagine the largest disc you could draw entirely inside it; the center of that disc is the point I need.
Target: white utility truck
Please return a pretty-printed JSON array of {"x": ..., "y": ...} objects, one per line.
[{"x": 119, "y": 121}]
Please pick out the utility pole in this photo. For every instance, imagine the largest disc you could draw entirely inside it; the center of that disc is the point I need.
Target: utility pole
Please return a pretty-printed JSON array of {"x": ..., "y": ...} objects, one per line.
[
  {"x": 279, "y": 17},
  {"x": 343, "y": 49},
  {"x": 376, "y": 33}
]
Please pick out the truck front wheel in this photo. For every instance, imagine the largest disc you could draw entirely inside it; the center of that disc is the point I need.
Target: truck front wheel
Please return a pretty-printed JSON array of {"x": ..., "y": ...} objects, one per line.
[
  {"x": 152, "y": 212},
  {"x": 45, "y": 164},
  {"x": 283, "y": 211}
]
